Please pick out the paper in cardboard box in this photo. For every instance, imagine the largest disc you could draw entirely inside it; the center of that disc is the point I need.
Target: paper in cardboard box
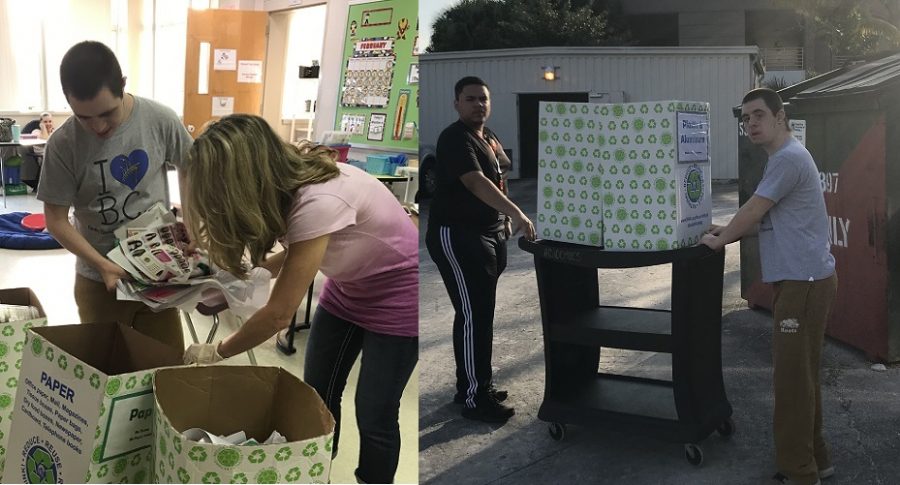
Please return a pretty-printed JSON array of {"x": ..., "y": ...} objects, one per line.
[
  {"x": 12, "y": 341},
  {"x": 227, "y": 399},
  {"x": 84, "y": 413},
  {"x": 644, "y": 167}
]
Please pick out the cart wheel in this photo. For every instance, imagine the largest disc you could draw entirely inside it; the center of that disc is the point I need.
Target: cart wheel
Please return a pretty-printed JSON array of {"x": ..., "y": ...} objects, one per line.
[
  {"x": 726, "y": 429},
  {"x": 694, "y": 454},
  {"x": 558, "y": 431}
]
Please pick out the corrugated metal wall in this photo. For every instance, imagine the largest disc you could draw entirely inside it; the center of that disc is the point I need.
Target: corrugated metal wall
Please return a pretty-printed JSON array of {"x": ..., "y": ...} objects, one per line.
[{"x": 720, "y": 76}]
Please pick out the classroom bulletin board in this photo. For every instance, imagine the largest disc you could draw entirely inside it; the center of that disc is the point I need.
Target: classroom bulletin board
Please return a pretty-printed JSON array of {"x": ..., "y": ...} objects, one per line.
[{"x": 379, "y": 92}]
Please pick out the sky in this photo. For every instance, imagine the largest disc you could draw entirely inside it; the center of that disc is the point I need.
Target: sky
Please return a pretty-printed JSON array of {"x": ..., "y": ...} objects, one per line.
[{"x": 428, "y": 12}]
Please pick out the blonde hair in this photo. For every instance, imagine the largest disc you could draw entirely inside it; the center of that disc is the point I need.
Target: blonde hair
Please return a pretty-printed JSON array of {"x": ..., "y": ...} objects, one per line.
[{"x": 242, "y": 183}]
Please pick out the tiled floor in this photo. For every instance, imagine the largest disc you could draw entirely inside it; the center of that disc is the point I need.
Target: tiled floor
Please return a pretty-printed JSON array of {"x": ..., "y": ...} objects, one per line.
[{"x": 51, "y": 275}]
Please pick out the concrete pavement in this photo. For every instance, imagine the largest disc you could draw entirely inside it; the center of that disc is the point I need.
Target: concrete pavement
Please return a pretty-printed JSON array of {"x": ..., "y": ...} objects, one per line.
[{"x": 861, "y": 406}]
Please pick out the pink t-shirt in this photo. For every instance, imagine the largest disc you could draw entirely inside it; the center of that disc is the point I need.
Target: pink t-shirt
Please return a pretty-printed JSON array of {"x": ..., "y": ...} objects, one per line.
[{"x": 372, "y": 259}]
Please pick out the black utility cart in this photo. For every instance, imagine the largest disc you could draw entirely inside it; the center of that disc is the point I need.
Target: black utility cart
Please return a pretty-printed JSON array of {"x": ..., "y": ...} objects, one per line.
[{"x": 686, "y": 409}]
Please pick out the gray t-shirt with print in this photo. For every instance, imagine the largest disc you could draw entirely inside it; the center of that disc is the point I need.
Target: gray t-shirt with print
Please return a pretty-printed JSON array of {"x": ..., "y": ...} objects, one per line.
[
  {"x": 793, "y": 236},
  {"x": 110, "y": 182}
]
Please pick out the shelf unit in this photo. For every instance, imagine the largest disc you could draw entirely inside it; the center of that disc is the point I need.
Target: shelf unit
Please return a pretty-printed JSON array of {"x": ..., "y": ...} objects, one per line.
[{"x": 686, "y": 409}]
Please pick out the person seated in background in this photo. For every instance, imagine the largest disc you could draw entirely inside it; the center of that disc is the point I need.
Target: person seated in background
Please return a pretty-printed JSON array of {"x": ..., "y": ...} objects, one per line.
[{"x": 33, "y": 156}]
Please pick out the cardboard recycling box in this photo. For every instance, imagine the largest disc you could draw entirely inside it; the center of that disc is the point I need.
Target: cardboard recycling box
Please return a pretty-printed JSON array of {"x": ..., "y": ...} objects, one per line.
[
  {"x": 226, "y": 399},
  {"x": 12, "y": 341},
  {"x": 85, "y": 410},
  {"x": 627, "y": 177}
]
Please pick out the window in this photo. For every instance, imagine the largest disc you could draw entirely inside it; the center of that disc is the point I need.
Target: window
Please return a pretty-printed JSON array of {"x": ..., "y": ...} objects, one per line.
[
  {"x": 149, "y": 43},
  {"x": 305, "y": 37}
]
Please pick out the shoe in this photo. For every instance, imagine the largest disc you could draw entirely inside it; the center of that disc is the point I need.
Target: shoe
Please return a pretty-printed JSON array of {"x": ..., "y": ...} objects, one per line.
[
  {"x": 826, "y": 472},
  {"x": 500, "y": 396},
  {"x": 782, "y": 479},
  {"x": 489, "y": 410}
]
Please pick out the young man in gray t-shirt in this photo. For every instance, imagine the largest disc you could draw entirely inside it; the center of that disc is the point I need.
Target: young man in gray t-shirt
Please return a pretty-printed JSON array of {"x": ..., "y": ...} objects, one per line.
[
  {"x": 795, "y": 254},
  {"x": 108, "y": 161}
]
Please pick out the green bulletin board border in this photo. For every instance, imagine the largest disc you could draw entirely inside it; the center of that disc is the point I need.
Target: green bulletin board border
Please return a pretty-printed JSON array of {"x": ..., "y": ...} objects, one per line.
[{"x": 403, "y": 51}]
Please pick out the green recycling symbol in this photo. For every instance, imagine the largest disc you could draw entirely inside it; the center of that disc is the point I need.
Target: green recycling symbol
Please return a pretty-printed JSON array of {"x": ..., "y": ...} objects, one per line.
[
  {"x": 95, "y": 381},
  {"x": 183, "y": 475},
  {"x": 49, "y": 354},
  {"x": 638, "y": 124},
  {"x": 162, "y": 445},
  {"x": 316, "y": 470},
  {"x": 171, "y": 459},
  {"x": 311, "y": 449},
  {"x": 267, "y": 475},
  {"x": 132, "y": 381},
  {"x": 293, "y": 474},
  {"x": 135, "y": 460},
  {"x": 12, "y": 382},
  {"x": 39, "y": 466},
  {"x": 19, "y": 346},
  {"x": 5, "y": 400},
  {"x": 96, "y": 455},
  {"x": 37, "y": 346},
  {"x": 239, "y": 478},
  {"x": 62, "y": 362},
  {"x": 176, "y": 443},
  {"x": 197, "y": 453},
  {"x": 328, "y": 444},
  {"x": 120, "y": 466},
  {"x": 102, "y": 471},
  {"x": 257, "y": 456},
  {"x": 140, "y": 477},
  {"x": 8, "y": 331},
  {"x": 147, "y": 379},
  {"x": 113, "y": 386},
  {"x": 283, "y": 454},
  {"x": 212, "y": 477},
  {"x": 228, "y": 457},
  {"x": 79, "y": 371},
  {"x": 3, "y": 349},
  {"x": 4, "y": 367}
]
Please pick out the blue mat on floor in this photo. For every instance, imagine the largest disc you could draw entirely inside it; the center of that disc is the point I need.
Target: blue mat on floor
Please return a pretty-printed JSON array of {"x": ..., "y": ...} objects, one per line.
[{"x": 14, "y": 236}]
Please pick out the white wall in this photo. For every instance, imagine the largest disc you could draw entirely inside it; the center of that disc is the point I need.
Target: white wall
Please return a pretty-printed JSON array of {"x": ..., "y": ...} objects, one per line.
[{"x": 718, "y": 75}]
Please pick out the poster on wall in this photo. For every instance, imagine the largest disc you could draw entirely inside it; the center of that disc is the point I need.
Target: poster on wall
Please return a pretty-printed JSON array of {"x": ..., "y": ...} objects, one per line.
[
  {"x": 376, "y": 127},
  {"x": 380, "y": 75},
  {"x": 225, "y": 60},
  {"x": 353, "y": 124}
]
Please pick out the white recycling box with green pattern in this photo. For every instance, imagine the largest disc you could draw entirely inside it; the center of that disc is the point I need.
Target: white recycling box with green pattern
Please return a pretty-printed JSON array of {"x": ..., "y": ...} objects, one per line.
[
  {"x": 225, "y": 399},
  {"x": 84, "y": 413},
  {"x": 627, "y": 177},
  {"x": 12, "y": 341}
]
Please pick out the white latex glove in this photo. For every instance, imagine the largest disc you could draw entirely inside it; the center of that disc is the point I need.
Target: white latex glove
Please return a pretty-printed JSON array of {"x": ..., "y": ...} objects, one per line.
[{"x": 202, "y": 354}]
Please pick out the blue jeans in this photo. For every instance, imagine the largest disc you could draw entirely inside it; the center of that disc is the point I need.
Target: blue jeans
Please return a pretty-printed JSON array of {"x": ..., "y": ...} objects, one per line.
[{"x": 387, "y": 363}]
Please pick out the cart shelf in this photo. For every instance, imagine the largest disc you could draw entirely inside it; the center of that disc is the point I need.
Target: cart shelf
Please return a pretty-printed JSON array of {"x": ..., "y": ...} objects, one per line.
[{"x": 618, "y": 327}]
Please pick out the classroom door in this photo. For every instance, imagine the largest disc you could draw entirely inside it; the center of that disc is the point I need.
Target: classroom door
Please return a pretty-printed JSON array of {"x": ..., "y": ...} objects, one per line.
[{"x": 224, "y": 65}]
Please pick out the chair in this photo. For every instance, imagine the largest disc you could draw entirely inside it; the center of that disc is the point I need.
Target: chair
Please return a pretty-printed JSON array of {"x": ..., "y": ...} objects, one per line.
[
  {"x": 212, "y": 309},
  {"x": 294, "y": 328}
]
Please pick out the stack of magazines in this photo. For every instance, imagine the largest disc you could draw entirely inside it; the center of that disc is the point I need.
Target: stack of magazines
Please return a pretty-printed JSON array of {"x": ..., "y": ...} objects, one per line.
[{"x": 152, "y": 250}]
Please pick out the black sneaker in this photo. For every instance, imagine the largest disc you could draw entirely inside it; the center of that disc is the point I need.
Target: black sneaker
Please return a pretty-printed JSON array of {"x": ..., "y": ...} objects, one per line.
[
  {"x": 489, "y": 410},
  {"x": 500, "y": 396}
]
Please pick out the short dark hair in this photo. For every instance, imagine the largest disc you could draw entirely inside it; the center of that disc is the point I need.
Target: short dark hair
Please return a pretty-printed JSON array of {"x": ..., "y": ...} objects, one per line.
[
  {"x": 769, "y": 97},
  {"x": 87, "y": 67},
  {"x": 468, "y": 81}
]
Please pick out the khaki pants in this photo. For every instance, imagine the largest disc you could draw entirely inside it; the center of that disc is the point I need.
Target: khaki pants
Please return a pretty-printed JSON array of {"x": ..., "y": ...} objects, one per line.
[
  {"x": 801, "y": 311},
  {"x": 97, "y": 304}
]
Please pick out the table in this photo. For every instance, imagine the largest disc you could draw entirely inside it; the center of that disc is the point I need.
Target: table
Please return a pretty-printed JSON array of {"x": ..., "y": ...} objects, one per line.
[
  {"x": 408, "y": 176},
  {"x": 24, "y": 142}
]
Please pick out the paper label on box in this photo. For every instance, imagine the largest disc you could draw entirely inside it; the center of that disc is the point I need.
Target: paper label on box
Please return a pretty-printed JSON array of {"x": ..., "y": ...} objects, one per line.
[
  {"x": 55, "y": 409},
  {"x": 130, "y": 418},
  {"x": 693, "y": 137},
  {"x": 12, "y": 343}
]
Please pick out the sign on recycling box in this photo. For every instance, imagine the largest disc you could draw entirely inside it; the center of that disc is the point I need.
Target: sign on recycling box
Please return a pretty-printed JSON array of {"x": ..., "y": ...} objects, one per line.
[
  {"x": 84, "y": 412},
  {"x": 12, "y": 342},
  {"x": 223, "y": 400},
  {"x": 625, "y": 177}
]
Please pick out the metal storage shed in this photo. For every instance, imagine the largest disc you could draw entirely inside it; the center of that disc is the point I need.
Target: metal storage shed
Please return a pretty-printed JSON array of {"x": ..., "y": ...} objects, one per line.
[{"x": 719, "y": 75}]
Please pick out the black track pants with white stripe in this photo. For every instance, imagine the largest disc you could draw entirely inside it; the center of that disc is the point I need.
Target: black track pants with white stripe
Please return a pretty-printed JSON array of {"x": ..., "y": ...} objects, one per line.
[{"x": 470, "y": 263}]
